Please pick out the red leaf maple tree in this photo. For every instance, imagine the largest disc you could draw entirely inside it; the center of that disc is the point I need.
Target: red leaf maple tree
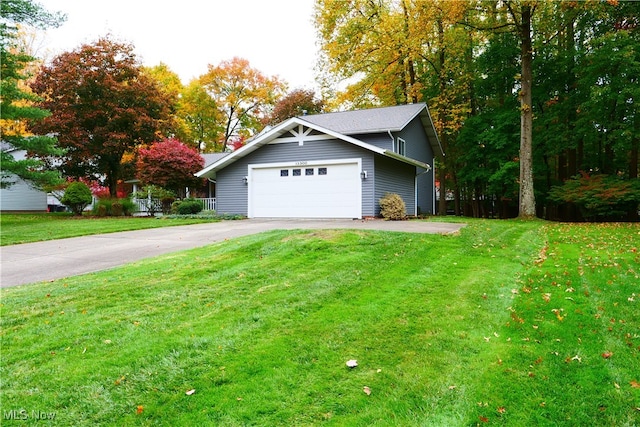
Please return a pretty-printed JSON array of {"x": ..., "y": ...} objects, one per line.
[{"x": 170, "y": 164}]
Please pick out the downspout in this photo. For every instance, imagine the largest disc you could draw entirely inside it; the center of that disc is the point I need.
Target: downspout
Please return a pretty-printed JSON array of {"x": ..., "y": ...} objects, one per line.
[
  {"x": 416, "y": 187},
  {"x": 393, "y": 141}
]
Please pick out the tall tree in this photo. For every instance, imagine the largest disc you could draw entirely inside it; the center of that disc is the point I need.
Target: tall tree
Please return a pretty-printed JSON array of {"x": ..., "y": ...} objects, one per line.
[
  {"x": 522, "y": 12},
  {"x": 243, "y": 95},
  {"x": 102, "y": 107},
  {"x": 17, "y": 102},
  {"x": 401, "y": 51},
  {"x": 202, "y": 120},
  {"x": 171, "y": 86}
]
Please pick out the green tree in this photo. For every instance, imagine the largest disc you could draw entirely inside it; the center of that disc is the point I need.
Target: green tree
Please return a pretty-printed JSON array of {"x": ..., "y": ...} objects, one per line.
[
  {"x": 102, "y": 107},
  {"x": 77, "y": 196},
  {"x": 202, "y": 120},
  {"x": 17, "y": 102}
]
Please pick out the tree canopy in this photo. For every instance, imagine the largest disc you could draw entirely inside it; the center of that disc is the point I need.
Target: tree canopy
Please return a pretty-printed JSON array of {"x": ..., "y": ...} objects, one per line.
[
  {"x": 243, "y": 96},
  {"x": 169, "y": 164},
  {"x": 525, "y": 94},
  {"x": 103, "y": 106},
  {"x": 17, "y": 102},
  {"x": 298, "y": 102}
]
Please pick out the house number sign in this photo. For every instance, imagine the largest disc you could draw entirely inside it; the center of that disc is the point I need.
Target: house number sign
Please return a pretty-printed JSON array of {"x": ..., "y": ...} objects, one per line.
[{"x": 301, "y": 163}]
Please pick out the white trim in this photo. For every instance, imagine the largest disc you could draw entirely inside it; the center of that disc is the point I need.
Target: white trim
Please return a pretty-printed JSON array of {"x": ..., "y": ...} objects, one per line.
[
  {"x": 402, "y": 147},
  {"x": 303, "y": 163},
  {"x": 288, "y": 139},
  {"x": 273, "y": 134}
]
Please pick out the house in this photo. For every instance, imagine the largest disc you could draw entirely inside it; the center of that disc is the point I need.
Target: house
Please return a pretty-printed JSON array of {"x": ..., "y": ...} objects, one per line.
[
  {"x": 20, "y": 196},
  {"x": 333, "y": 165}
]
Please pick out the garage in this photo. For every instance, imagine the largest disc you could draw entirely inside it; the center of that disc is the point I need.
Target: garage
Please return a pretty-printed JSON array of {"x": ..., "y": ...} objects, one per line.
[{"x": 328, "y": 189}]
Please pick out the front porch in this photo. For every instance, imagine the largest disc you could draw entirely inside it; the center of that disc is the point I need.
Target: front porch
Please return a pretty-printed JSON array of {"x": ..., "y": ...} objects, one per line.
[{"x": 142, "y": 205}]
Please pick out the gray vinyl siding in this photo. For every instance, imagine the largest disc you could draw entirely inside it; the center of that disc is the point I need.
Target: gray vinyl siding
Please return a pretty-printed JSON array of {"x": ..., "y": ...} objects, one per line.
[
  {"x": 382, "y": 140},
  {"x": 21, "y": 197},
  {"x": 418, "y": 147},
  {"x": 393, "y": 176},
  {"x": 232, "y": 192}
]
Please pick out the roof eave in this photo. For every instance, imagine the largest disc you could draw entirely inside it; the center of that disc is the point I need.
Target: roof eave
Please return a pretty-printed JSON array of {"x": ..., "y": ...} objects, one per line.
[{"x": 407, "y": 160}]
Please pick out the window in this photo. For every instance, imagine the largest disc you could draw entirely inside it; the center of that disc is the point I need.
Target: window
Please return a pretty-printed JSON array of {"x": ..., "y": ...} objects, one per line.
[
  {"x": 322, "y": 171},
  {"x": 296, "y": 172},
  {"x": 284, "y": 172},
  {"x": 308, "y": 171},
  {"x": 401, "y": 147}
]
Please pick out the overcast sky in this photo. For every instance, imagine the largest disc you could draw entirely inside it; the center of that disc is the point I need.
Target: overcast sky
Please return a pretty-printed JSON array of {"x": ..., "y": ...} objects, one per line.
[{"x": 276, "y": 36}]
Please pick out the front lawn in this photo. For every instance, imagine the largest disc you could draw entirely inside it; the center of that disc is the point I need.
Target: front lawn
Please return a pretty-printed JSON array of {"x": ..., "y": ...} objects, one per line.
[
  {"x": 506, "y": 323},
  {"x": 26, "y": 228}
]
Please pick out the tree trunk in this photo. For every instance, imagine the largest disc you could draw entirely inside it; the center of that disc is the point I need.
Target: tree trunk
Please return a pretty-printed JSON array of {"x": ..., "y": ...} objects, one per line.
[
  {"x": 442, "y": 206},
  {"x": 441, "y": 116},
  {"x": 527, "y": 206}
]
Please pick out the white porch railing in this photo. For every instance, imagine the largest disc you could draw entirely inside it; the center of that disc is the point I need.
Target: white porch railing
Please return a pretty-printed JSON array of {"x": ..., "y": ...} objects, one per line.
[{"x": 209, "y": 204}]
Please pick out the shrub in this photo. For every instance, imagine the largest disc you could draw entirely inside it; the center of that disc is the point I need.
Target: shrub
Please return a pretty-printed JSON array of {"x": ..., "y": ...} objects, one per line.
[
  {"x": 114, "y": 207},
  {"x": 599, "y": 196},
  {"x": 392, "y": 207},
  {"x": 103, "y": 207},
  {"x": 128, "y": 207},
  {"x": 188, "y": 207},
  {"x": 77, "y": 196},
  {"x": 117, "y": 209},
  {"x": 100, "y": 210}
]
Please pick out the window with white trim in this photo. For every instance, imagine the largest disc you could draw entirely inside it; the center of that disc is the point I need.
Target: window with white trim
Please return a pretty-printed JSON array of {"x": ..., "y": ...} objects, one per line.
[{"x": 401, "y": 147}]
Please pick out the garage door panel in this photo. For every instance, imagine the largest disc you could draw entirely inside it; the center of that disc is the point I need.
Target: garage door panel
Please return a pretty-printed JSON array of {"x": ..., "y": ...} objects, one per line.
[{"x": 336, "y": 194}]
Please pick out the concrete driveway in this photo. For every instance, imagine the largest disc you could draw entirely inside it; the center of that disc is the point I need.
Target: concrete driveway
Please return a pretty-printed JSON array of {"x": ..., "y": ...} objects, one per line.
[{"x": 56, "y": 259}]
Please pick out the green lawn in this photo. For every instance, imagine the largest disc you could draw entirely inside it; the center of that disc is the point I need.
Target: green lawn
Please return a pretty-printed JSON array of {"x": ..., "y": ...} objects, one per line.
[
  {"x": 25, "y": 228},
  {"x": 506, "y": 323}
]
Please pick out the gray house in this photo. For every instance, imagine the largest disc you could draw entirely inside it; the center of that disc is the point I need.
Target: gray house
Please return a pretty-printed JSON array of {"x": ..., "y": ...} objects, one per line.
[{"x": 334, "y": 165}]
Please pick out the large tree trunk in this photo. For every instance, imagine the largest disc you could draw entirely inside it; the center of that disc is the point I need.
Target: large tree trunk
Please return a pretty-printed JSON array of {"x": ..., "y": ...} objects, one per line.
[{"x": 527, "y": 206}]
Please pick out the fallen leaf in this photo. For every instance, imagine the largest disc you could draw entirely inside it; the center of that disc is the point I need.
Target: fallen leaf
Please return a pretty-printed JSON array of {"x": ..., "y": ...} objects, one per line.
[
  {"x": 607, "y": 354},
  {"x": 190, "y": 392},
  {"x": 139, "y": 409},
  {"x": 635, "y": 384},
  {"x": 352, "y": 363},
  {"x": 366, "y": 390},
  {"x": 451, "y": 387},
  {"x": 502, "y": 410},
  {"x": 484, "y": 419}
]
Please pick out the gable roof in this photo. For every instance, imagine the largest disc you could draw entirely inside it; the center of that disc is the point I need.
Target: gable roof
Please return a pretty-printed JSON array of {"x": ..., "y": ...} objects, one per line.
[
  {"x": 398, "y": 116},
  {"x": 375, "y": 120}
]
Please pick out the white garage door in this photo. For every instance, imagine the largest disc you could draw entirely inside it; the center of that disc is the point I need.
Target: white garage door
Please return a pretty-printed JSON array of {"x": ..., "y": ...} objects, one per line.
[{"x": 307, "y": 190}]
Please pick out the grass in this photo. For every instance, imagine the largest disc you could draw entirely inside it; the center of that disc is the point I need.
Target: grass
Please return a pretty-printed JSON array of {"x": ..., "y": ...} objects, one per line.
[
  {"x": 507, "y": 323},
  {"x": 26, "y": 228}
]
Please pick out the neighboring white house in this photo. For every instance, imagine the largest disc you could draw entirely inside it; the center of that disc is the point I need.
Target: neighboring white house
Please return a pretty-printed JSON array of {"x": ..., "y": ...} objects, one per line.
[{"x": 21, "y": 197}]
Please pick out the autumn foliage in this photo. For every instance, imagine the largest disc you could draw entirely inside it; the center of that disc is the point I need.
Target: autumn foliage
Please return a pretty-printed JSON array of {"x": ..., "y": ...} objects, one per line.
[
  {"x": 102, "y": 106},
  {"x": 170, "y": 164}
]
